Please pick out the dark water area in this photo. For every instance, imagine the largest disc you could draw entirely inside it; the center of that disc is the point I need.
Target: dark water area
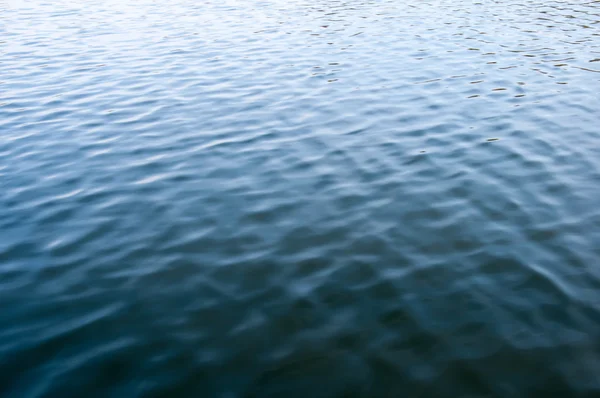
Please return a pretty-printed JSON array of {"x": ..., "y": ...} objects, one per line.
[{"x": 299, "y": 198}]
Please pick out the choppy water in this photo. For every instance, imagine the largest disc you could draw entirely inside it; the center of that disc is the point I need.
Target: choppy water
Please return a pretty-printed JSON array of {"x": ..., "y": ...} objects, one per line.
[{"x": 299, "y": 198}]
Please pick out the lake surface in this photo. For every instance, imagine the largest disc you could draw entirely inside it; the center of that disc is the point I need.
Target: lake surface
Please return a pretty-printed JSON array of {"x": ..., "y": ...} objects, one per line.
[{"x": 299, "y": 198}]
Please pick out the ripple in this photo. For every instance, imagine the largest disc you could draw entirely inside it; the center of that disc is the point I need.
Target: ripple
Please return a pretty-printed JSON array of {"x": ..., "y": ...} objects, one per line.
[{"x": 299, "y": 198}]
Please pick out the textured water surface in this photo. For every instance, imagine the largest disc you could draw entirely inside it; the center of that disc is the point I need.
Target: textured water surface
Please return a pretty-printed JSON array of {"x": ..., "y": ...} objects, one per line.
[{"x": 299, "y": 198}]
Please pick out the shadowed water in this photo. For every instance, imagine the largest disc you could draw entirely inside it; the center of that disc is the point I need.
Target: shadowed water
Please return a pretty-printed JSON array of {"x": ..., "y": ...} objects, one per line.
[{"x": 299, "y": 198}]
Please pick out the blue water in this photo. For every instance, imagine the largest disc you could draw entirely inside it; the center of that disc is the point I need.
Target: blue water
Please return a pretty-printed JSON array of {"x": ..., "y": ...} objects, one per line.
[{"x": 299, "y": 198}]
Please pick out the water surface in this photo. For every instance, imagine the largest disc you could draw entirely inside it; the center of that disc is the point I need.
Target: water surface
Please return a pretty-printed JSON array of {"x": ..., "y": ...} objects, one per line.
[{"x": 292, "y": 198}]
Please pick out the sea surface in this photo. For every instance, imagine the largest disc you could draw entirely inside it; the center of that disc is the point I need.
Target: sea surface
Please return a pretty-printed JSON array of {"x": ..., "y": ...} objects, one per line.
[{"x": 299, "y": 198}]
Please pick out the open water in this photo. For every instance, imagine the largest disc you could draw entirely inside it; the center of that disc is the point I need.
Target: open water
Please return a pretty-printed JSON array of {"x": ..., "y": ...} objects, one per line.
[{"x": 299, "y": 198}]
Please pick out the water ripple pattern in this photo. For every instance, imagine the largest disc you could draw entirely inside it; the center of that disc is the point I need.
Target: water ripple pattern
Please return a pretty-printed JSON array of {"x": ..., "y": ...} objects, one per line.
[{"x": 292, "y": 198}]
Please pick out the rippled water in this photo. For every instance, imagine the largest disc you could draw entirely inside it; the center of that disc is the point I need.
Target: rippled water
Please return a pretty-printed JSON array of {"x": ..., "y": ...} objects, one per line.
[{"x": 299, "y": 198}]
